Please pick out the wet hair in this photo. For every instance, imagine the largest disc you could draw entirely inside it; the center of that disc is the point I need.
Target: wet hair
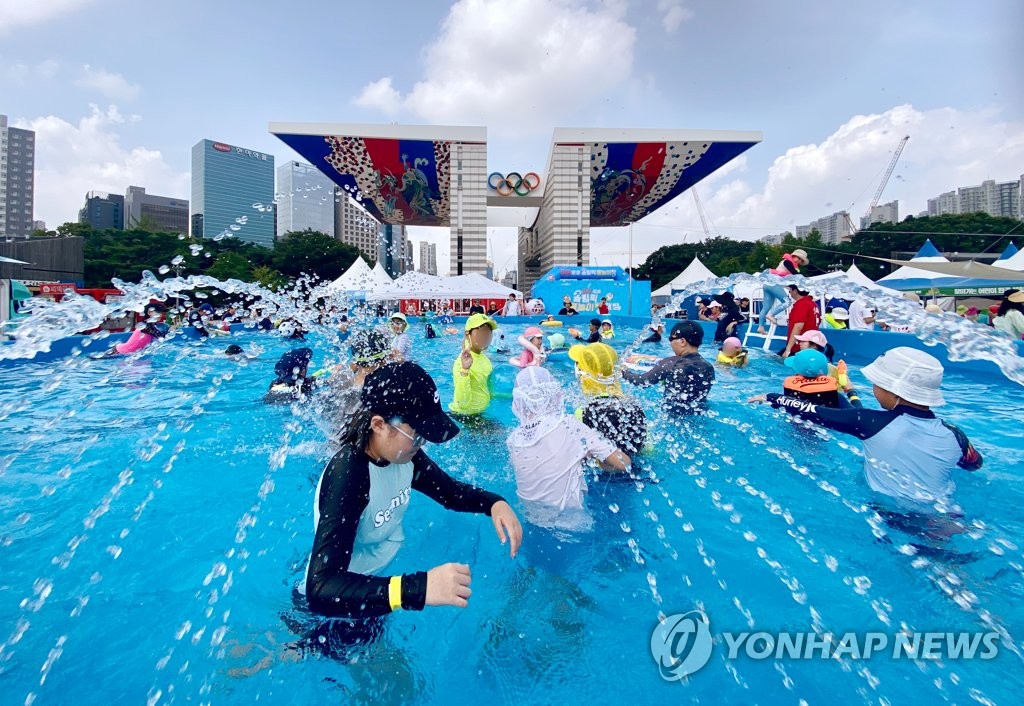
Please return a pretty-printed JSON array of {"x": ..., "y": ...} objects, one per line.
[{"x": 233, "y": 349}]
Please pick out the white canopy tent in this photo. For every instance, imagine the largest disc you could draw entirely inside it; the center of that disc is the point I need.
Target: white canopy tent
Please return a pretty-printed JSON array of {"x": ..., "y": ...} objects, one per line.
[
  {"x": 695, "y": 272},
  {"x": 381, "y": 278},
  {"x": 1015, "y": 263},
  {"x": 835, "y": 282},
  {"x": 417, "y": 285},
  {"x": 357, "y": 278},
  {"x": 475, "y": 286}
]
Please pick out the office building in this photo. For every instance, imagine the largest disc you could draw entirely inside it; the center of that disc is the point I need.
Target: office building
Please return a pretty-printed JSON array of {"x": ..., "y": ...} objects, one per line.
[
  {"x": 884, "y": 213},
  {"x": 305, "y": 199},
  {"x": 393, "y": 248},
  {"x": 991, "y": 197},
  {"x": 104, "y": 211},
  {"x": 17, "y": 180},
  {"x": 162, "y": 213},
  {"x": 834, "y": 229},
  {"x": 354, "y": 225},
  {"x": 428, "y": 258},
  {"x": 232, "y": 193}
]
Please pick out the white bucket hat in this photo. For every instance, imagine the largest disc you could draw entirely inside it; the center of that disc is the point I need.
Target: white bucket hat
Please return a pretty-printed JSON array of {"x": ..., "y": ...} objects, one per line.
[{"x": 910, "y": 374}]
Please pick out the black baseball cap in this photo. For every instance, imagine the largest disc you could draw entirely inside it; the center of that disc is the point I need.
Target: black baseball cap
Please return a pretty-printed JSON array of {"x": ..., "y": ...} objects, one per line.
[
  {"x": 405, "y": 390},
  {"x": 689, "y": 331}
]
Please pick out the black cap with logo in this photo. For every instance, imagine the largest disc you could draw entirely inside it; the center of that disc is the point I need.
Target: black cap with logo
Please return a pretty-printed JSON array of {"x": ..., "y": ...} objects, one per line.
[
  {"x": 688, "y": 331},
  {"x": 405, "y": 390}
]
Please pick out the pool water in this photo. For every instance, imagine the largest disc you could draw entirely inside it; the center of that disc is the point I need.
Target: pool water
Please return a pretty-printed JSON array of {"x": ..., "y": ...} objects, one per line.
[{"x": 155, "y": 517}]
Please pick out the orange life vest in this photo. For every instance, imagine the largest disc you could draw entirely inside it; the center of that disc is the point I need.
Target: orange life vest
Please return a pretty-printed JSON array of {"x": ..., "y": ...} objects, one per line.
[{"x": 823, "y": 390}]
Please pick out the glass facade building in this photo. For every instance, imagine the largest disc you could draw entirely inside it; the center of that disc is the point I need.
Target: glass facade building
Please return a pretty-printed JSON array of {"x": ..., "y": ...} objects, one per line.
[
  {"x": 232, "y": 193},
  {"x": 305, "y": 199}
]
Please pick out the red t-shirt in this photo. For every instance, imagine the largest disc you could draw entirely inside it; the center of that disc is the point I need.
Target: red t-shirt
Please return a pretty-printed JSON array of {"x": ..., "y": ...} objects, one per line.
[
  {"x": 602, "y": 309},
  {"x": 804, "y": 311}
]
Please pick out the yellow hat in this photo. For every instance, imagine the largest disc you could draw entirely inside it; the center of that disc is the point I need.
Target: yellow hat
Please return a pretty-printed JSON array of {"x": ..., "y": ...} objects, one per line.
[
  {"x": 478, "y": 320},
  {"x": 597, "y": 363}
]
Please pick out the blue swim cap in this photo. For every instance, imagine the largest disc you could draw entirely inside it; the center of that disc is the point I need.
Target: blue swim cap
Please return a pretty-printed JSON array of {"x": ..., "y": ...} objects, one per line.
[{"x": 809, "y": 363}]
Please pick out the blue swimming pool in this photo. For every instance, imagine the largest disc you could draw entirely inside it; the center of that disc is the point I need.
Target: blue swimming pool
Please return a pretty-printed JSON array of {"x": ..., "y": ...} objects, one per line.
[{"x": 155, "y": 517}]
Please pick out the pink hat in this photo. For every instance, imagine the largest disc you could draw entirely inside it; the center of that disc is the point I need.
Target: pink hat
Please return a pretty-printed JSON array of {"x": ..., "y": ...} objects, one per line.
[
  {"x": 533, "y": 332},
  {"x": 815, "y": 337},
  {"x": 732, "y": 341}
]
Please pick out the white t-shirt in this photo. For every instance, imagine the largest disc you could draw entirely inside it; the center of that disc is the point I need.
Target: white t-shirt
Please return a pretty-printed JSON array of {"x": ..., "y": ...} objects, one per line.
[
  {"x": 403, "y": 346},
  {"x": 512, "y": 308},
  {"x": 859, "y": 311},
  {"x": 550, "y": 471}
]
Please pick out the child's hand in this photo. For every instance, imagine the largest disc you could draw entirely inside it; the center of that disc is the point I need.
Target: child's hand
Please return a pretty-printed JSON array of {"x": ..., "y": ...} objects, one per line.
[
  {"x": 467, "y": 359},
  {"x": 757, "y": 399}
]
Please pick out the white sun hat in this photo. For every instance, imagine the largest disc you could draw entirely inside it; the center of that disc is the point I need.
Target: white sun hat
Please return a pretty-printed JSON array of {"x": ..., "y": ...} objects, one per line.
[{"x": 910, "y": 374}]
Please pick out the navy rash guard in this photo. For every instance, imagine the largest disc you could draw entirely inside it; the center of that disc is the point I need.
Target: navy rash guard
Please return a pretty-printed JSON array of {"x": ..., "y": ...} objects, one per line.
[
  {"x": 909, "y": 453},
  {"x": 358, "y": 514}
]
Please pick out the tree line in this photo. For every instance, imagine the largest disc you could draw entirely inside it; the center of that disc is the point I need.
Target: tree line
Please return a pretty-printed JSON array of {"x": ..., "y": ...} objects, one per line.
[
  {"x": 125, "y": 254},
  {"x": 965, "y": 232}
]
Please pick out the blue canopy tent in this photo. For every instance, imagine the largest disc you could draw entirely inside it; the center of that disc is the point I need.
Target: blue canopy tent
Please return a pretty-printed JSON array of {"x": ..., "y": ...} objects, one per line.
[{"x": 911, "y": 279}]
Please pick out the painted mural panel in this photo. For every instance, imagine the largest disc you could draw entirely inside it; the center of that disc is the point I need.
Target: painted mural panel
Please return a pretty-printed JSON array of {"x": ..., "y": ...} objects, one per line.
[{"x": 401, "y": 182}]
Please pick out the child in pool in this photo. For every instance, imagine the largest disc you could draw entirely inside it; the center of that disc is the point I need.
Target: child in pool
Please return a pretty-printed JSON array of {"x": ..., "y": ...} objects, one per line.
[
  {"x": 915, "y": 476},
  {"x": 732, "y": 353},
  {"x": 549, "y": 447}
]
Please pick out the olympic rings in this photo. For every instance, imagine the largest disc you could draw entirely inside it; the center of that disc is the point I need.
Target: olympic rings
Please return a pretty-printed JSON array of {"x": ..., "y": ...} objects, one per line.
[{"x": 513, "y": 182}]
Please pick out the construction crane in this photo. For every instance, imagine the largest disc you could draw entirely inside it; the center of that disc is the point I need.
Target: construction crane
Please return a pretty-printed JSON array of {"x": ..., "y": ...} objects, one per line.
[
  {"x": 700, "y": 212},
  {"x": 885, "y": 178}
]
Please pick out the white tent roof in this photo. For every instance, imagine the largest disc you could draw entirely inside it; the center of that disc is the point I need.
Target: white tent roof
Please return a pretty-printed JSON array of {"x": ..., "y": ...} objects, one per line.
[
  {"x": 1014, "y": 263},
  {"x": 696, "y": 271},
  {"x": 357, "y": 278},
  {"x": 417, "y": 285},
  {"x": 381, "y": 278},
  {"x": 834, "y": 282},
  {"x": 475, "y": 285}
]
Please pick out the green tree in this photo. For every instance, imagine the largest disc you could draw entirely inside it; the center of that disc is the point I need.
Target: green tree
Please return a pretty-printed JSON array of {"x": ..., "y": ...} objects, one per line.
[
  {"x": 146, "y": 224},
  {"x": 268, "y": 277},
  {"x": 230, "y": 265},
  {"x": 312, "y": 252}
]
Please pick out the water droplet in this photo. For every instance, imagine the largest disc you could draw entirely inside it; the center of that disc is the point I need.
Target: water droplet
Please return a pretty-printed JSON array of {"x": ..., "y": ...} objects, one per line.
[{"x": 164, "y": 269}]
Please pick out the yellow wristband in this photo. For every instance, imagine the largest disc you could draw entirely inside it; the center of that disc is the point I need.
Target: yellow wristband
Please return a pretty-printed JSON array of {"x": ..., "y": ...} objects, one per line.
[{"x": 395, "y": 592}]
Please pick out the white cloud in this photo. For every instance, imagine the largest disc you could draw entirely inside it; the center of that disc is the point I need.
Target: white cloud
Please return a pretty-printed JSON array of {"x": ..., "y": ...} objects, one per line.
[
  {"x": 72, "y": 159},
  {"x": 380, "y": 95},
  {"x": 21, "y": 73},
  {"x": 948, "y": 148},
  {"x": 23, "y": 13},
  {"x": 517, "y": 67},
  {"x": 110, "y": 85},
  {"x": 673, "y": 14}
]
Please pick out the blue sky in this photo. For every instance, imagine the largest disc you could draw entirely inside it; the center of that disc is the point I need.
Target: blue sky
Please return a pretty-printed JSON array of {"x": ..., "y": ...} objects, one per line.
[{"x": 120, "y": 91}]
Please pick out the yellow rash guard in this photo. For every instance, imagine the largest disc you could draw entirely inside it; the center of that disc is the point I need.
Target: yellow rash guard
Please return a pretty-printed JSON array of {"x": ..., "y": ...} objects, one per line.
[{"x": 472, "y": 387}]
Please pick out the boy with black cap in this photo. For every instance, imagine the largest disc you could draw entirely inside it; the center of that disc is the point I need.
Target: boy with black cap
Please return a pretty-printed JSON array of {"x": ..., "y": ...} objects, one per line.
[
  {"x": 362, "y": 497},
  {"x": 687, "y": 376}
]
